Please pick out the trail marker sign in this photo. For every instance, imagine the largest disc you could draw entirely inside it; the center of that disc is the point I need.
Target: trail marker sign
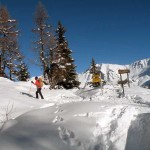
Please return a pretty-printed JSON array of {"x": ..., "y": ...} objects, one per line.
[
  {"x": 123, "y": 71},
  {"x": 122, "y": 82}
]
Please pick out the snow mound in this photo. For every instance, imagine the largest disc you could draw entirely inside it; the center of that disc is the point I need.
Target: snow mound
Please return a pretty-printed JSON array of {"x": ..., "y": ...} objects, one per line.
[
  {"x": 8, "y": 124},
  {"x": 138, "y": 137}
]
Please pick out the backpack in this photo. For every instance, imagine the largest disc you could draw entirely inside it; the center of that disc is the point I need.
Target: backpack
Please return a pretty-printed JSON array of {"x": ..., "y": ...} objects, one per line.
[{"x": 40, "y": 82}]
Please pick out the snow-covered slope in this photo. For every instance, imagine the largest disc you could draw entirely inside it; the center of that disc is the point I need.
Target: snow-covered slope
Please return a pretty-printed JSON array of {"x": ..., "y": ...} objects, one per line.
[
  {"x": 139, "y": 72},
  {"x": 77, "y": 119}
]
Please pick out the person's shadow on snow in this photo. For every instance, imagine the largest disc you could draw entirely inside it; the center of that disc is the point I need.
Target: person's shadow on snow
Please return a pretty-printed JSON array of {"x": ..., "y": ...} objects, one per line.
[
  {"x": 138, "y": 137},
  {"x": 23, "y": 93}
]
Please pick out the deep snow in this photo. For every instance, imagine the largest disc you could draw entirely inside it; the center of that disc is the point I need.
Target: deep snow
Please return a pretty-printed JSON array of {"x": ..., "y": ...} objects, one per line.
[{"x": 78, "y": 119}]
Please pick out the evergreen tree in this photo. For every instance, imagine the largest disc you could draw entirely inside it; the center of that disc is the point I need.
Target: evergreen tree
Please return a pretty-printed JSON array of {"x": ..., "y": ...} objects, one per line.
[
  {"x": 9, "y": 50},
  {"x": 95, "y": 74},
  {"x": 67, "y": 76},
  {"x": 108, "y": 73},
  {"x": 23, "y": 73},
  {"x": 93, "y": 69},
  {"x": 44, "y": 39}
]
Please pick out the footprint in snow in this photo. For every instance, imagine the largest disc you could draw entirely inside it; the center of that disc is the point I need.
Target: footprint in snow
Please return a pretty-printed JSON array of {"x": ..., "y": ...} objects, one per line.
[
  {"x": 68, "y": 137},
  {"x": 59, "y": 110},
  {"x": 58, "y": 106},
  {"x": 57, "y": 119}
]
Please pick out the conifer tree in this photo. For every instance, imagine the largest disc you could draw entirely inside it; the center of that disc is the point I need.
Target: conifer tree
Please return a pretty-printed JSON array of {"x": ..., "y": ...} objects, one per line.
[
  {"x": 23, "y": 73},
  {"x": 44, "y": 37},
  {"x": 9, "y": 49},
  {"x": 93, "y": 68},
  {"x": 108, "y": 73},
  {"x": 95, "y": 74},
  {"x": 65, "y": 63}
]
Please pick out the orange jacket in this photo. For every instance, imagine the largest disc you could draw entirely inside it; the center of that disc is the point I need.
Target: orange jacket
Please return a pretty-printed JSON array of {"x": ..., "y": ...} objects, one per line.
[{"x": 37, "y": 83}]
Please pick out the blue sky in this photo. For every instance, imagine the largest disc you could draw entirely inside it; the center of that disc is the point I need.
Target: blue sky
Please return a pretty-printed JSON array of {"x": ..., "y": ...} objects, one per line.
[{"x": 110, "y": 31}]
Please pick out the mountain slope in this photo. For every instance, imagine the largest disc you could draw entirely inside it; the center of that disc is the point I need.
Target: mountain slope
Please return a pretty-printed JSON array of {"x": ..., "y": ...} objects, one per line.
[{"x": 139, "y": 73}]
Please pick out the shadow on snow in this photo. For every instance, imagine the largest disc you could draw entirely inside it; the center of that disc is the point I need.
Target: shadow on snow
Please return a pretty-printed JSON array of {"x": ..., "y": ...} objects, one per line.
[{"x": 138, "y": 137}]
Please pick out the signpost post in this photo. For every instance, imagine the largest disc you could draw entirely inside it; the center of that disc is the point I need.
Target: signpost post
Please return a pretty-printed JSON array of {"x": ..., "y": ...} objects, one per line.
[{"x": 125, "y": 81}]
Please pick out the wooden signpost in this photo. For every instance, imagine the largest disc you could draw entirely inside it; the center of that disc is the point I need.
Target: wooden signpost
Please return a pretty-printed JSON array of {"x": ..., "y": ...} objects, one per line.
[
  {"x": 123, "y": 71},
  {"x": 122, "y": 82}
]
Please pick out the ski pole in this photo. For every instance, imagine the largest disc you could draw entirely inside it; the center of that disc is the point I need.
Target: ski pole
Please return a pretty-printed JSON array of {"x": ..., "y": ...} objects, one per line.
[
  {"x": 101, "y": 87},
  {"x": 30, "y": 88}
]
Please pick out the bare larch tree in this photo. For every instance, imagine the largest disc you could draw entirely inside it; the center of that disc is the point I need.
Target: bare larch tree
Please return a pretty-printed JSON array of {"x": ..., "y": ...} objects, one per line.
[
  {"x": 44, "y": 37},
  {"x": 9, "y": 49}
]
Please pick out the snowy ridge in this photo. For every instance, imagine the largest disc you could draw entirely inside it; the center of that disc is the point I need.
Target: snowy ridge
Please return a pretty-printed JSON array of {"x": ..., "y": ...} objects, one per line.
[{"x": 139, "y": 72}]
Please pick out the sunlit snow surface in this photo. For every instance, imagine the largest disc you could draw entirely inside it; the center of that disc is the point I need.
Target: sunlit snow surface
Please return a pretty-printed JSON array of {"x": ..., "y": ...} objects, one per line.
[{"x": 79, "y": 119}]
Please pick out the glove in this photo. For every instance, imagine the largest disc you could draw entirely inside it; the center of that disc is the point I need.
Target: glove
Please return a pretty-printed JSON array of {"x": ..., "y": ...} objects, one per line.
[{"x": 31, "y": 81}]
